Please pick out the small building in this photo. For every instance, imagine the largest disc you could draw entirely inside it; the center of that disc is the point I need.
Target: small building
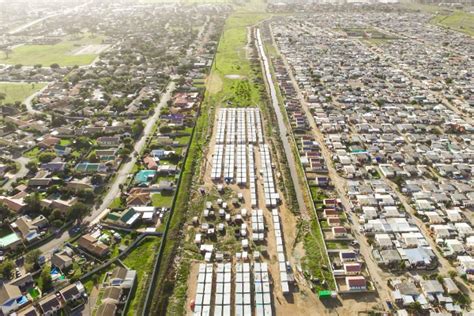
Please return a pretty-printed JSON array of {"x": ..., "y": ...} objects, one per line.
[
  {"x": 92, "y": 245},
  {"x": 49, "y": 305},
  {"x": 356, "y": 283},
  {"x": 122, "y": 277},
  {"x": 11, "y": 298}
]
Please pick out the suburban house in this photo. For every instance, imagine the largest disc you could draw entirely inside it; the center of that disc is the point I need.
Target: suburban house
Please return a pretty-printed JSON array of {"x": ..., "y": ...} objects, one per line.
[
  {"x": 29, "y": 228},
  {"x": 72, "y": 292},
  {"x": 62, "y": 260},
  {"x": 10, "y": 298},
  {"x": 108, "y": 141},
  {"x": 49, "y": 305},
  {"x": 106, "y": 309},
  {"x": 122, "y": 278},
  {"x": 92, "y": 245}
]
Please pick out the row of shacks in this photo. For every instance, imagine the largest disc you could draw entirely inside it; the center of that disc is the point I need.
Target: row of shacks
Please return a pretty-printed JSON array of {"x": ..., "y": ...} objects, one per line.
[
  {"x": 214, "y": 294},
  {"x": 280, "y": 246},
  {"x": 271, "y": 195},
  {"x": 236, "y": 128},
  {"x": 239, "y": 126}
]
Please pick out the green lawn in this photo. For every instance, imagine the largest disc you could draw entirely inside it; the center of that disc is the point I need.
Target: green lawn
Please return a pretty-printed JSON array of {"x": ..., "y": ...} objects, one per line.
[
  {"x": 337, "y": 245},
  {"x": 32, "y": 153},
  {"x": 164, "y": 200},
  {"x": 61, "y": 53},
  {"x": 65, "y": 142},
  {"x": 141, "y": 259},
  {"x": 316, "y": 261},
  {"x": 19, "y": 91}
]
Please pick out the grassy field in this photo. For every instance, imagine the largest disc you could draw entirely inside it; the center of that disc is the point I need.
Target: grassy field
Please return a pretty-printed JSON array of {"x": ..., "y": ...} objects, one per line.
[
  {"x": 232, "y": 78},
  {"x": 141, "y": 259},
  {"x": 458, "y": 21},
  {"x": 60, "y": 53},
  {"x": 315, "y": 262},
  {"x": 19, "y": 91}
]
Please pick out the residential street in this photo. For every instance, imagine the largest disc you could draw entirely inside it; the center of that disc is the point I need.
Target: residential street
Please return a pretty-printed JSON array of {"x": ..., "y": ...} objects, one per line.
[{"x": 122, "y": 175}]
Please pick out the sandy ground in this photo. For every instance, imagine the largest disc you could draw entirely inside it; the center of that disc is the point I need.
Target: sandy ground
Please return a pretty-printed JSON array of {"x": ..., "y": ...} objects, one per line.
[
  {"x": 302, "y": 301},
  {"x": 90, "y": 49},
  {"x": 214, "y": 83}
]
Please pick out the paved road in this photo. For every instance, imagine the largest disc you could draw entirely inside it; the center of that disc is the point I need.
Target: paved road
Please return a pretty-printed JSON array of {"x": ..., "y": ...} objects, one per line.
[
  {"x": 31, "y": 23},
  {"x": 22, "y": 161},
  {"x": 291, "y": 159},
  {"x": 29, "y": 101},
  {"x": 100, "y": 212}
]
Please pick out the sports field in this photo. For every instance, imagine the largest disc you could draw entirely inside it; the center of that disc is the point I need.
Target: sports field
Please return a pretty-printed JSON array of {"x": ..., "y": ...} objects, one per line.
[
  {"x": 68, "y": 52},
  {"x": 18, "y": 91}
]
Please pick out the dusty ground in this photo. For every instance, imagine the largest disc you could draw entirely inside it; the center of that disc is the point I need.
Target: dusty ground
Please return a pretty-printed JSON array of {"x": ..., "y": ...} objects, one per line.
[
  {"x": 214, "y": 83},
  {"x": 93, "y": 49}
]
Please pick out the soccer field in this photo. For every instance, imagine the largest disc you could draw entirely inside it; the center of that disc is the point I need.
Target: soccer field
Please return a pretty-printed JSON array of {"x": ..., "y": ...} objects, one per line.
[{"x": 65, "y": 53}]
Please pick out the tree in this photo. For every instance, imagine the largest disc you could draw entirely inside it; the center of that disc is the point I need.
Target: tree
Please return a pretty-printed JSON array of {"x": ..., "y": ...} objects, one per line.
[
  {"x": 7, "y": 52},
  {"x": 54, "y": 66},
  {"x": 137, "y": 127},
  {"x": 125, "y": 152},
  {"x": 77, "y": 211},
  {"x": 97, "y": 179},
  {"x": 46, "y": 156},
  {"x": 82, "y": 142},
  {"x": 31, "y": 259},
  {"x": 32, "y": 166},
  {"x": 4, "y": 212},
  {"x": 45, "y": 281},
  {"x": 56, "y": 121},
  {"x": 93, "y": 157},
  {"x": 6, "y": 269},
  {"x": 33, "y": 202},
  {"x": 2, "y": 97}
]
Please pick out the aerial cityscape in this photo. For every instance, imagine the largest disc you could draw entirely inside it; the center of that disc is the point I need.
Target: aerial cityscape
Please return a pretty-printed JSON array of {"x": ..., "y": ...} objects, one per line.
[{"x": 236, "y": 157}]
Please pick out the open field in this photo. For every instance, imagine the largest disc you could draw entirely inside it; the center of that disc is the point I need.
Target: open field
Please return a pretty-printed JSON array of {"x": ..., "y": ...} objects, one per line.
[
  {"x": 459, "y": 21},
  {"x": 232, "y": 76},
  {"x": 64, "y": 53},
  {"x": 141, "y": 259},
  {"x": 19, "y": 91}
]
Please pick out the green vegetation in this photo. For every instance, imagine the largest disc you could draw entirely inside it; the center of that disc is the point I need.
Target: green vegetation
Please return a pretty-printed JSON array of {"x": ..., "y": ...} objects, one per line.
[
  {"x": 233, "y": 79},
  {"x": 162, "y": 199},
  {"x": 18, "y": 92},
  {"x": 458, "y": 21},
  {"x": 62, "y": 53},
  {"x": 337, "y": 245},
  {"x": 141, "y": 259},
  {"x": 315, "y": 262}
]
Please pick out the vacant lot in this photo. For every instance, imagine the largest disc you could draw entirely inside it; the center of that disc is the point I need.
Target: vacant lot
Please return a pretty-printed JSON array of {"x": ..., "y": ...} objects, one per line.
[
  {"x": 62, "y": 53},
  {"x": 232, "y": 77},
  {"x": 18, "y": 91}
]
